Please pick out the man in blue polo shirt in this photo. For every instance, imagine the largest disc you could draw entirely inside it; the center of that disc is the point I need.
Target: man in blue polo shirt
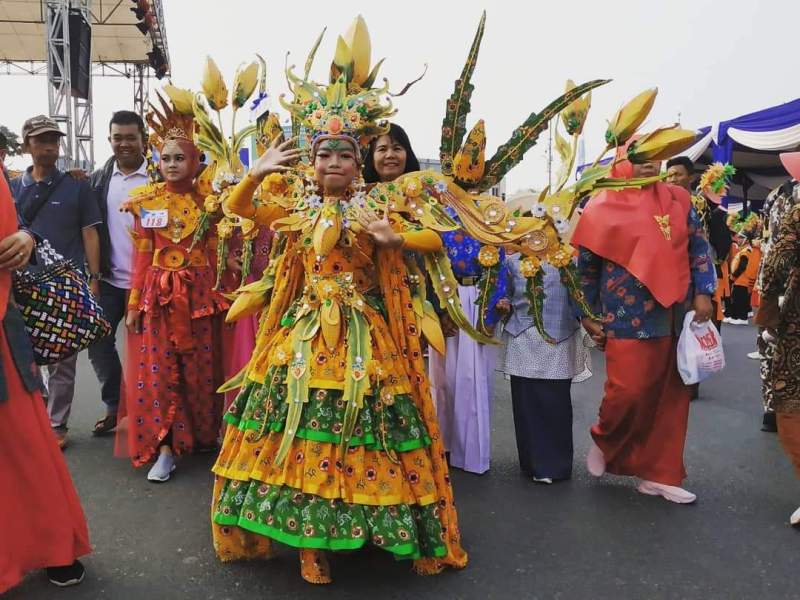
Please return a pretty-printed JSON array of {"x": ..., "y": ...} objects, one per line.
[{"x": 60, "y": 209}]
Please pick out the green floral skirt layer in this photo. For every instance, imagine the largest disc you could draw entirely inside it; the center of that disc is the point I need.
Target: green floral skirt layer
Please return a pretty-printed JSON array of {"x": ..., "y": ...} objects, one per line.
[{"x": 381, "y": 491}]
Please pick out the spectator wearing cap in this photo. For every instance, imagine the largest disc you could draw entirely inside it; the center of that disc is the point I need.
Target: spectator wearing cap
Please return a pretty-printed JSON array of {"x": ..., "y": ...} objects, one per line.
[
  {"x": 111, "y": 185},
  {"x": 59, "y": 208}
]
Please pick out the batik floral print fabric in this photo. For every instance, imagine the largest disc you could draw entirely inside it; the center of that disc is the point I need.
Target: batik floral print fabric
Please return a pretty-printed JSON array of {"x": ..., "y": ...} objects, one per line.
[
  {"x": 173, "y": 391},
  {"x": 380, "y": 491},
  {"x": 463, "y": 252},
  {"x": 782, "y": 277},
  {"x": 627, "y": 307},
  {"x": 397, "y": 427},
  {"x": 308, "y": 521}
]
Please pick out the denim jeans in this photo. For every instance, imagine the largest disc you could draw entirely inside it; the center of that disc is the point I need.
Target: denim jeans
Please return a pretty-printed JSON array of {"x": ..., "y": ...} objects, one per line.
[{"x": 103, "y": 353}]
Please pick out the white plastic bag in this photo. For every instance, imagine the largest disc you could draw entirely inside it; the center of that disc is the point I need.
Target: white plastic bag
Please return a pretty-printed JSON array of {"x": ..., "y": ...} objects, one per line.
[{"x": 700, "y": 352}]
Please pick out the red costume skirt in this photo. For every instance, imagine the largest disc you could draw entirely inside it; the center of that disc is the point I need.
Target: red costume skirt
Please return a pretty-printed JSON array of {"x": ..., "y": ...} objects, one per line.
[
  {"x": 171, "y": 391},
  {"x": 645, "y": 411},
  {"x": 41, "y": 520}
]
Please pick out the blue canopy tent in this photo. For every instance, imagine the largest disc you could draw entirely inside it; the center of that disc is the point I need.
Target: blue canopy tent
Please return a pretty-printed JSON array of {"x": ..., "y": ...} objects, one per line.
[{"x": 751, "y": 143}]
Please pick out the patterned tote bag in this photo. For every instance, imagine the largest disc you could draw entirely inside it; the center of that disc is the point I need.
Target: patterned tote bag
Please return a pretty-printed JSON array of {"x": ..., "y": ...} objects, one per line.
[{"x": 61, "y": 315}]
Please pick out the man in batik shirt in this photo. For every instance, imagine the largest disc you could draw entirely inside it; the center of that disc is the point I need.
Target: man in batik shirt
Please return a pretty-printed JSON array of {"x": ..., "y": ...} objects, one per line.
[{"x": 643, "y": 262}]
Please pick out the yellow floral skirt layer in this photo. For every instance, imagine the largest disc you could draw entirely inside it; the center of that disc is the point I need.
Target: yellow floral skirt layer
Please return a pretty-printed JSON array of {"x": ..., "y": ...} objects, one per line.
[
  {"x": 380, "y": 490},
  {"x": 328, "y": 366}
]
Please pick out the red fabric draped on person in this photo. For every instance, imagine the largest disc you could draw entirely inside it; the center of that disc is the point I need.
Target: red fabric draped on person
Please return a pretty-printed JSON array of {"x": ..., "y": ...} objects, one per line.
[
  {"x": 41, "y": 520},
  {"x": 618, "y": 225},
  {"x": 173, "y": 368},
  {"x": 642, "y": 424}
]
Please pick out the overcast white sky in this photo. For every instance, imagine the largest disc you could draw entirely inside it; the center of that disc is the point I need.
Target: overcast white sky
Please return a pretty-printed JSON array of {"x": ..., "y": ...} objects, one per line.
[{"x": 711, "y": 59}]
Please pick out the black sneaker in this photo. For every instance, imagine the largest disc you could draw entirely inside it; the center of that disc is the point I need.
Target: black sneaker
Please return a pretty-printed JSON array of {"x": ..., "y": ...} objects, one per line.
[
  {"x": 769, "y": 423},
  {"x": 66, "y": 576}
]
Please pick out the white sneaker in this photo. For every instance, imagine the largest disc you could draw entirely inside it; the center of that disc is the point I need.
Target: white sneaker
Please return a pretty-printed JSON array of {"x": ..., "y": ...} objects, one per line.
[
  {"x": 669, "y": 492},
  {"x": 794, "y": 520},
  {"x": 162, "y": 469},
  {"x": 741, "y": 322},
  {"x": 755, "y": 355},
  {"x": 544, "y": 480},
  {"x": 728, "y": 320}
]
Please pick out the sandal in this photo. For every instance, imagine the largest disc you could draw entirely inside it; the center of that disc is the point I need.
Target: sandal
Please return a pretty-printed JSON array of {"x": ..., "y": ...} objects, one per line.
[
  {"x": 314, "y": 567},
  {"x": 61, "y": 437},
  {"x": 105, "y": 425},
  {"x": 427, "y": 566}
]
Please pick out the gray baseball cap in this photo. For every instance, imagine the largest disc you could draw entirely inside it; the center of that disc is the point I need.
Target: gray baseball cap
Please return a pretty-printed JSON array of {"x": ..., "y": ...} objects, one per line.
[{"x": 38, "y": 125}]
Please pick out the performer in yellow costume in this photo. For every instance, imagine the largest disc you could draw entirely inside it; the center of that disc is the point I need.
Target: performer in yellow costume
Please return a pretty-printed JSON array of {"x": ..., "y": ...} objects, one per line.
[{"x": 333, "y": 442}]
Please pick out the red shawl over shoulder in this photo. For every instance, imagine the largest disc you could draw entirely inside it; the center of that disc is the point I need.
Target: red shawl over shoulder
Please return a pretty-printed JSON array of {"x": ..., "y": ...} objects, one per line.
[{"x": 621, "y": 226}]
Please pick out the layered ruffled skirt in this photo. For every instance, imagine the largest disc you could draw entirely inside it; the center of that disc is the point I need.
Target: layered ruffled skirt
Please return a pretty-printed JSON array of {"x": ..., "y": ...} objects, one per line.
[{"x": 380, "y": 491}]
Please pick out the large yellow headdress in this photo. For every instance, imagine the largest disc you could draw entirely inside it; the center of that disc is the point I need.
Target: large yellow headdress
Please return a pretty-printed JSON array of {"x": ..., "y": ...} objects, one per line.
[
  {"x": 169, "y": 123},
  {"x": 348, "y": 106}
]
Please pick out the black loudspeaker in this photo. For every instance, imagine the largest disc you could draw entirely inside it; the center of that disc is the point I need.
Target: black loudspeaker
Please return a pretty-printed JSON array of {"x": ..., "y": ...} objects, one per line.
[{"x": 80, "y": 55}]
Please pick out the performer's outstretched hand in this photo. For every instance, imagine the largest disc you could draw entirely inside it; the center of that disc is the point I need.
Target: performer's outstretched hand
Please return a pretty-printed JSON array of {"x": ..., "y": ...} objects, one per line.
[
  {"x": 381, "y": 229},
  {"x": 276, "y": 159},
  {"x": 383, "y": 234}
]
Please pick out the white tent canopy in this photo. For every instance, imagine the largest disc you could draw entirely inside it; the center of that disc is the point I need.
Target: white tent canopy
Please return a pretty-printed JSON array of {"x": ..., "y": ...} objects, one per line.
[
  {"x": 115, "y": 39},
  {"x": 752, "y": 143}
]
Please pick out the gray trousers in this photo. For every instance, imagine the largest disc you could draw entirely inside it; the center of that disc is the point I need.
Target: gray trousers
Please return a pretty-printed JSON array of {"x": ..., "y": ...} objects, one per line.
[
  {"x": 60, "y": 391},
  {"x": 60, "y": 377}
]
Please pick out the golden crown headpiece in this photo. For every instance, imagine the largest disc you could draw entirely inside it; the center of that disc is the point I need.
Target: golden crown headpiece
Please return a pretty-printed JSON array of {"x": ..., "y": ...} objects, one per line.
[
  {"x": 169, "y": 123},
  {"x": 349, "y": 106}
]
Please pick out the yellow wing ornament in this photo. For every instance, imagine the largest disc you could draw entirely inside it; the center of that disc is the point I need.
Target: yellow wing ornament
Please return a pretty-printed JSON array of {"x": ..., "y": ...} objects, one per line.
[{"x": 455, "y": 198}]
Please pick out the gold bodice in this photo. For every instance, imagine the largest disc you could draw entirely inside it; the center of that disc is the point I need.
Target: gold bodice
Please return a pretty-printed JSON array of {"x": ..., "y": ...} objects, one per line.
[{"x": 183, "y": 211}]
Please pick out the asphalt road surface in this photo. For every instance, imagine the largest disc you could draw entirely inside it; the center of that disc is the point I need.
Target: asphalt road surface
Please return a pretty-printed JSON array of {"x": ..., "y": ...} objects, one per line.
[{"x": 584, "y": 538}]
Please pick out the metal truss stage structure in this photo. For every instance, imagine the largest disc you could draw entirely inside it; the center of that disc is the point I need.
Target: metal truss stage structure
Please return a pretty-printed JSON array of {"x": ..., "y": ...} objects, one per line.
[{"x": 126, "y": 38}]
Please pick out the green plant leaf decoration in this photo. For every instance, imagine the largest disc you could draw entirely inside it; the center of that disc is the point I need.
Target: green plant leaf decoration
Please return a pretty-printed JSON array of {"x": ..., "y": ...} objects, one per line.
[
  {"x": 454, "y": 125},
  {"x": 524, "y": 137}
]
